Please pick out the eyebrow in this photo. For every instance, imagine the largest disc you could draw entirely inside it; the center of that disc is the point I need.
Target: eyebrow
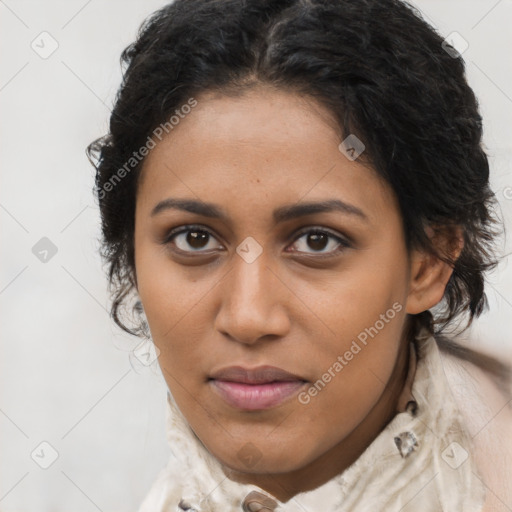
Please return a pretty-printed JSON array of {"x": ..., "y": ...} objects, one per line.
[{"x": 281, "y": 214}]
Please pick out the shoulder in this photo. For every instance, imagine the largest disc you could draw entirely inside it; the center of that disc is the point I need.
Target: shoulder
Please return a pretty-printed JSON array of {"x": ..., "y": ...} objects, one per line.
[{"x": 487, "y": 414}]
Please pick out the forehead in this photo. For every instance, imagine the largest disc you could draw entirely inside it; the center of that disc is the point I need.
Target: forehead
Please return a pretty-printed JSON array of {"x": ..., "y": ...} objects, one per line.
[{"x": 264, "y": 147}]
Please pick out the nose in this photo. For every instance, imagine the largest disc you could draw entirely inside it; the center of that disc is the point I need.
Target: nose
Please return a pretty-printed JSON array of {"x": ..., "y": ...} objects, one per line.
[{"x": 253, "y": 302}]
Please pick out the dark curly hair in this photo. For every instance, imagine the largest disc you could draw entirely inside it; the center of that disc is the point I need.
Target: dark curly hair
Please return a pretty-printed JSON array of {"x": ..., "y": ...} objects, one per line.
[{"x": 384, "y": 73}]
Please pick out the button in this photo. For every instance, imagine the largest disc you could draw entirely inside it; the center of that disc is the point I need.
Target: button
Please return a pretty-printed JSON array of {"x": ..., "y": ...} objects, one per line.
[
  {"x": 406, "y": 443},
  {"x": 257, "y": 502},
  {"x": 183, "y": 505}
]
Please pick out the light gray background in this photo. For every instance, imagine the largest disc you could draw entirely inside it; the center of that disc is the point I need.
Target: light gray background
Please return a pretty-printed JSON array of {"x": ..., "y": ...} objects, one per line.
[{"x": 66, "y": 374}]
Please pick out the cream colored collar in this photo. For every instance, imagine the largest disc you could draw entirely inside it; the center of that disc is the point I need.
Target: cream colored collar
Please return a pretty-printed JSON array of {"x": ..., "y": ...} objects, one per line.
[{"x": 420, "y": 462}]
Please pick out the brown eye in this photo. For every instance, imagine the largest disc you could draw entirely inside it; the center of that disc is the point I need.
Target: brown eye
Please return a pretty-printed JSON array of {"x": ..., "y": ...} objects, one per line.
[
  {"x": 197, "y": 239},
  {"x": 191, "y": 239},
  {"x": 318, "y": 240}
]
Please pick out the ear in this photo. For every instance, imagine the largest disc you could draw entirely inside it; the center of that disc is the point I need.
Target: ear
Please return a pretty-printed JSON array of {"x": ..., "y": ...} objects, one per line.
[{"x": 429, "y": 275}]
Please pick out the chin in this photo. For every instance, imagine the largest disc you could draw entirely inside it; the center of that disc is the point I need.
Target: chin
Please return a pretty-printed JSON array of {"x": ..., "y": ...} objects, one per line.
[{"x": 253, "y": 460}]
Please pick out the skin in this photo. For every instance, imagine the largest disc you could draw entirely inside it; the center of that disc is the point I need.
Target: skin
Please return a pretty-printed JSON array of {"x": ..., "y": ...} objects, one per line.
[{"x": 290, "y": 307}]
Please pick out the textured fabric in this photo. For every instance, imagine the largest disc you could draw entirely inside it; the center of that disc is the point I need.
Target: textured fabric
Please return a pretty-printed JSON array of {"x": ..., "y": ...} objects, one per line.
[{"x": 421, "y": 462}]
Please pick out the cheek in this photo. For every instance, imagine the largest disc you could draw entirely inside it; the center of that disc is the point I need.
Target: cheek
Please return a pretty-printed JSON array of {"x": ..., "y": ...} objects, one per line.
[
  {"x": 175, "y": 306},
  {"x": 367, "y": 293},
  {"x": 166, "y": 293},
  {"x": 355, "y": 345},
  {"x": 351, "y": 377}
]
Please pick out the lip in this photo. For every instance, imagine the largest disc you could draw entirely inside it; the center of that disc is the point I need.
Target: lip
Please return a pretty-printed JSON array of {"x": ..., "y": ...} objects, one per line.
[
  {"x": 259, "y": 375},
  {"x": 255, "y": 389}
]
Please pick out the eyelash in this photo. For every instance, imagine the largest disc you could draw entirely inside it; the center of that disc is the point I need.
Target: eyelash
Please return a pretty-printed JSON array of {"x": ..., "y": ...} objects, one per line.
[{"x": 343, "y": 243}]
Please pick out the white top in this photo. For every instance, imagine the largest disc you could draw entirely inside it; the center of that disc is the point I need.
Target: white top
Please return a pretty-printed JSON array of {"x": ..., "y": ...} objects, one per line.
[{"x": 423, "y": 461}]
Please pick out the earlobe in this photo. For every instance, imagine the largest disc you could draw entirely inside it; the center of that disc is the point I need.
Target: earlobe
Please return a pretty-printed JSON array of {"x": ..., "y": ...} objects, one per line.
[{"x": 429, "y": 276}]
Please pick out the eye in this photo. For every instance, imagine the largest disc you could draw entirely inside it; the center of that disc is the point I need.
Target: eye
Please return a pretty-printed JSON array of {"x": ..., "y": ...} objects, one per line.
[
  {"x": 320, "y": 239},
  {"x": 195, "y": 237}
]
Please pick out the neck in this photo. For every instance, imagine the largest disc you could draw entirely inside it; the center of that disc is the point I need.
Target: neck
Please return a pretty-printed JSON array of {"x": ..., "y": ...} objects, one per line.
[{"x": 284, "y": 486}]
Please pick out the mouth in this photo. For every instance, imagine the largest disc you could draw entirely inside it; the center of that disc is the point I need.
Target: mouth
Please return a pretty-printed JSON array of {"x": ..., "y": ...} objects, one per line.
[{"x": 255, "y": 389}]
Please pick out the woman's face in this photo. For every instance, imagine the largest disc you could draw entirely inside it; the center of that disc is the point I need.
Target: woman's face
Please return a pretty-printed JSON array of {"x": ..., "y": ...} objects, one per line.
[{"x": 319, "y": 292}]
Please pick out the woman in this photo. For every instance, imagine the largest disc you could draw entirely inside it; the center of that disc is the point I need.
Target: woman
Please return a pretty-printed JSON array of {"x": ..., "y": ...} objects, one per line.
[{"x": 287, "y": 189}]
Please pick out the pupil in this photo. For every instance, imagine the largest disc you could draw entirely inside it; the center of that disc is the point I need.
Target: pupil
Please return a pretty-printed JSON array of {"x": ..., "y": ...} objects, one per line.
[
  {"x": 195, "y": 238},
  {"x": 315, "y": 242}
]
